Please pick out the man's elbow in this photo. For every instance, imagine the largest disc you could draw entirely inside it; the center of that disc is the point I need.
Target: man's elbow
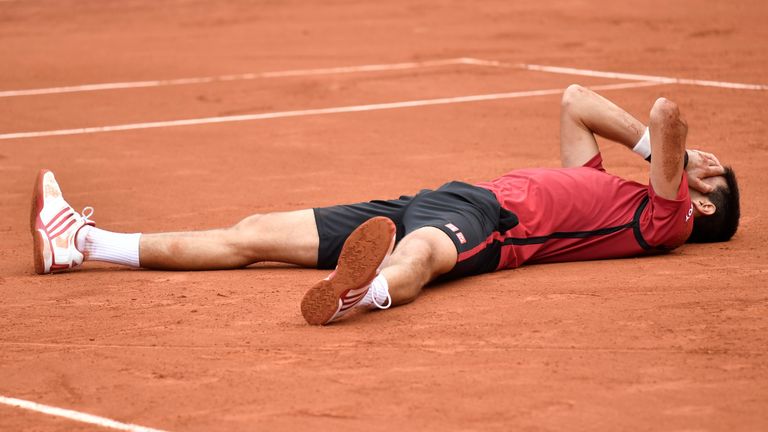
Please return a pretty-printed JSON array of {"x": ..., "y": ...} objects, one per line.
[
  {"x": 572, "y": 95},
  {"x": 664, "y": 110}
]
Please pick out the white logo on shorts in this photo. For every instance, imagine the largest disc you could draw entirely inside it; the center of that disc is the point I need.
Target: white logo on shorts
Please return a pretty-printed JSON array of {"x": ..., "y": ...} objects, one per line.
[{"x": 456, "y": 231}]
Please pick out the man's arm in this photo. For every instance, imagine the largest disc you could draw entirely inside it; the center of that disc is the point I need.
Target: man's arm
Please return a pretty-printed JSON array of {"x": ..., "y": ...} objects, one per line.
[
  {"x": 585, "y": 113},
  {"x": 668, "y": 132}
]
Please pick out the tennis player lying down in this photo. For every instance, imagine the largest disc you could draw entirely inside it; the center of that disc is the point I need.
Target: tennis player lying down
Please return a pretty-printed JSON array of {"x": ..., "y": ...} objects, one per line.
[{"x": 384, "y": 252}]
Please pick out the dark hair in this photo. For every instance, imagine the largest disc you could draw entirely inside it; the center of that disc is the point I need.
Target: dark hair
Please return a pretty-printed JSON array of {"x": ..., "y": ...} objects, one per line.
[{"x": 723, "y": 223}]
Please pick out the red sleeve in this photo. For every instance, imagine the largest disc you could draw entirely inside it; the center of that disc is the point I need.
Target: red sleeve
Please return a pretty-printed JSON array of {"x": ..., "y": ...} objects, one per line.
[
  {"x": 668, "y": 223},
  {"x": 596, "y": 162}
]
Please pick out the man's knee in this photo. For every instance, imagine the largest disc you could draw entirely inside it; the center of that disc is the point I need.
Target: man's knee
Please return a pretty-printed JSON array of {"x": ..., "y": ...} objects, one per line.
[
  {"x": 248, "y": 224},
  {"x": 239, "y": 237},
  {"x": 416, "y": 247},
  {"x": 429, "y": 246}
]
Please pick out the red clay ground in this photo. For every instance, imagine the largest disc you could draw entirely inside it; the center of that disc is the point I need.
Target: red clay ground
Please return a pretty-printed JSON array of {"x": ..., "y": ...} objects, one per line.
[{"x": 670, "y": 343}]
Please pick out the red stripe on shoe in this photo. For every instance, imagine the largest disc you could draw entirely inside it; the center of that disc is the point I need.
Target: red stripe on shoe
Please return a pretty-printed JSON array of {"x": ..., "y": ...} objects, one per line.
[
  {"x": 63, "y": 230},
  {"x": 356, "y": 291},
  {"x": 62, "y": 220},
  {"x": 64, "y": 210},
  {"x": 59, "y": 221},
  {"x": 353, "y": 300}
]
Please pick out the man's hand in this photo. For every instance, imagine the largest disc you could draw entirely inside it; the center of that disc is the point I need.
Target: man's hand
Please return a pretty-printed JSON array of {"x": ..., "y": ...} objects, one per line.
[{"x": 700, "y": 166}]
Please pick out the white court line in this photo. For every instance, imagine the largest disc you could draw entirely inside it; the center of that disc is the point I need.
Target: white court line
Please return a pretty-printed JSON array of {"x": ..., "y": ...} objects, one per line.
[
  {"x": 376, "y": 68},
  {"x": 74, "y": 415},
  {"x": 308, "y": 112},
  {"x": 235, "y": 77},
  {"x": 616, "y": 75}
]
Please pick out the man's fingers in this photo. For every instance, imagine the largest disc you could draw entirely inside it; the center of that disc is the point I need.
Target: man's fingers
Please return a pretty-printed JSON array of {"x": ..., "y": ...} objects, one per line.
[
  {"x": 701, "y": 186},
  {"x": 714, "y": 170},
  {"x": 717, "y": 161},
  {"x": 713, "y": 160}
]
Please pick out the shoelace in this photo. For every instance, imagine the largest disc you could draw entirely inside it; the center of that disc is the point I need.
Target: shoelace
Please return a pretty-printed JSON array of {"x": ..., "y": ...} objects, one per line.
[
  {"x": 387, "y": 304},
  {"x": 85, "y": 216}
]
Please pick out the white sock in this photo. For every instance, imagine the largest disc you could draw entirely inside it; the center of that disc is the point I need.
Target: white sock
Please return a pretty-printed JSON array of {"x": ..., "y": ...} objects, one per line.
[
  {"x": 643, "y": 146},
  {"x": 99, "y": 245},
  {"x": 377, "y": 296}
]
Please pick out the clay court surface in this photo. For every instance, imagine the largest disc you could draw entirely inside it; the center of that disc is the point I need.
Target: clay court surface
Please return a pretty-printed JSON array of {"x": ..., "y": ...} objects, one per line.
[{"x": 667, "y": 343}]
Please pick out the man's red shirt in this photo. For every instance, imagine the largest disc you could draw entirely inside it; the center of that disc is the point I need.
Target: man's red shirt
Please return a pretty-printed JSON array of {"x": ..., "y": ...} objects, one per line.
[{"x": 585, "y": 213}]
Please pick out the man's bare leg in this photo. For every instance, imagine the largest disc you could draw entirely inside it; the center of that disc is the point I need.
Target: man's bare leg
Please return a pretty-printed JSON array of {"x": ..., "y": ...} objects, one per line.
[
  {"x": 289, "y": 237},
  {"x": 63, "y": 239},
  {"x": 418, "y": 259}
]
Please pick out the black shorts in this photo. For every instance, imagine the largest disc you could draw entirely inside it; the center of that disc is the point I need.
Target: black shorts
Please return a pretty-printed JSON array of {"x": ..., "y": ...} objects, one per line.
[{"x": 468, "y": 214}]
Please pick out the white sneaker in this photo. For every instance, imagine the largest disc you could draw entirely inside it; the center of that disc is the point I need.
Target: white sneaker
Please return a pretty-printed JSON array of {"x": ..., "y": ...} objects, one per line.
[
  {"x": 54, "y": 225},
  {"x": 363, "y": 255}
]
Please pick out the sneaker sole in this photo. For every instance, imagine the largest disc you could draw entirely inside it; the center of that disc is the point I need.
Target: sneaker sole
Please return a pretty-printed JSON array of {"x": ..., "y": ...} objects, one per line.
[
  {"x": 40, "y": 246},
  {"x": 360, "y": 257}
]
